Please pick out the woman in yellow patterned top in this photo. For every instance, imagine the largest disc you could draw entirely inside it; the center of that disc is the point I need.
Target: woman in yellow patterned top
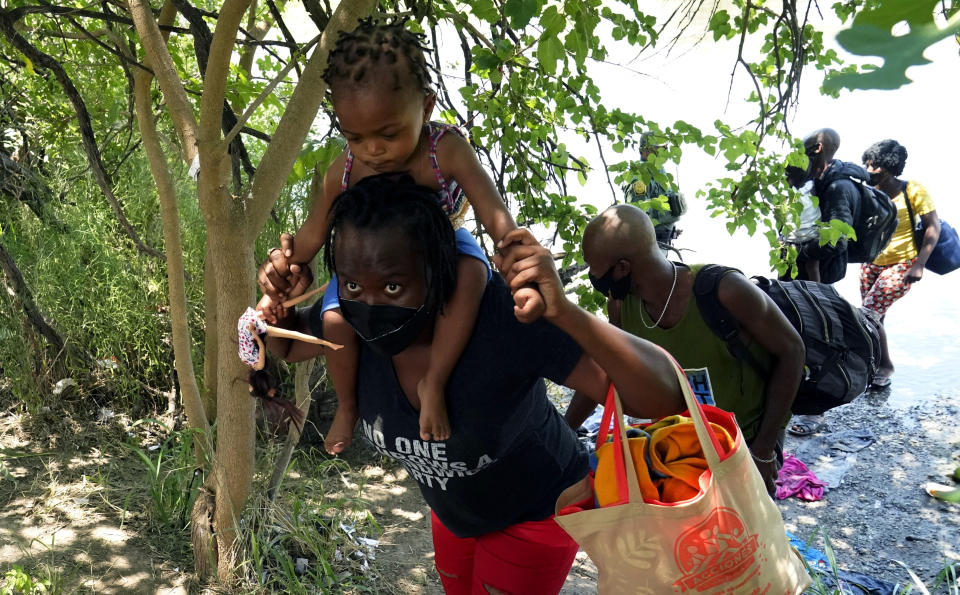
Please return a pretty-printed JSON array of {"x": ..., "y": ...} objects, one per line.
[{"x": 900, "y": 265}]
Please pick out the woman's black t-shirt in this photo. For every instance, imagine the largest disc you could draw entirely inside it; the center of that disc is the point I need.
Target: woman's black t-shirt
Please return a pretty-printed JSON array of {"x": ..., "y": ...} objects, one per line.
[{"x": 511, "y": 453}]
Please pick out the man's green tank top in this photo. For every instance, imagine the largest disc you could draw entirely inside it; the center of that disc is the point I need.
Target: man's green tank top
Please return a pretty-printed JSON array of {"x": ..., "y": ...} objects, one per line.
[{"x": 736, "y": 386}]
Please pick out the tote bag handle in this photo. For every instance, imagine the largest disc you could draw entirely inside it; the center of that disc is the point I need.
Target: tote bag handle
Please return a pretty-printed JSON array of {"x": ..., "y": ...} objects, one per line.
[{"x": 628, "y": 487}]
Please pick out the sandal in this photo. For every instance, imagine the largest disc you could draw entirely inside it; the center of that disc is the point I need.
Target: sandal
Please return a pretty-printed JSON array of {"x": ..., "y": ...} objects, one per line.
[{"x": 806, "y": 427}]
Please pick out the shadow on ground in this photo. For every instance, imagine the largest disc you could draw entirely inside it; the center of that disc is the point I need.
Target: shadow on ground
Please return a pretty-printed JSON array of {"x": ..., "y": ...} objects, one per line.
[{"x": 59, "y": 526}]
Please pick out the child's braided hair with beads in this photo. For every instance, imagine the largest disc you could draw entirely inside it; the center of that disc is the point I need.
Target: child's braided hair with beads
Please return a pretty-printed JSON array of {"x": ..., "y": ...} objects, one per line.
[{"x": 359, "y": 53}]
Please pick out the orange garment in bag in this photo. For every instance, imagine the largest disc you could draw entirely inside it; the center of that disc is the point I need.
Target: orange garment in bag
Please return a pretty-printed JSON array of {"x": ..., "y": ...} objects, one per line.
[{"x": 667, "y": 459}]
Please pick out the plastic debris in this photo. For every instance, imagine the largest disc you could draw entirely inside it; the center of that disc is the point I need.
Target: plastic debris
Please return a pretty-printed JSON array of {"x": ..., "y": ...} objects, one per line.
[
  {"x": 63, "y": 385},
  {"x": 301, "y": 566},
  {"x": 942, "y": 492},
  {"x": 110, "y": 363}
]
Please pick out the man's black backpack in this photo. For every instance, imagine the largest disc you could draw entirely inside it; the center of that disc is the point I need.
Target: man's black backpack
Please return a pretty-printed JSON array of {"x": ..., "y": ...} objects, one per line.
[
  {"x": 874, "y": 226},
  {"x": 842, "y": 343}
]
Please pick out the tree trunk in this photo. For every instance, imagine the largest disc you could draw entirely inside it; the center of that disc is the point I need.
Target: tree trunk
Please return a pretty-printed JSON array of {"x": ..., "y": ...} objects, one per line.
[
  {"x": 23, "y": 294},
  {"x": 212, "y": 337},
  {"x": 236, "y": 430},
  {"x": 232, "y": 227},
  {"x": 170, "y": 216}
]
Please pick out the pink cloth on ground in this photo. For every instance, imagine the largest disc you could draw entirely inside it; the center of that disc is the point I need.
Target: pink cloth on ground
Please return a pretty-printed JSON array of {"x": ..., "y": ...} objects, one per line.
[{"x": 796, "y": 480}]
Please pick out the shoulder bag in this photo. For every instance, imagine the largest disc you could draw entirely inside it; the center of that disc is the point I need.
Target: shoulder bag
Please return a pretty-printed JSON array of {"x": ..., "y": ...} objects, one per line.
[
  {"x": 946, "y": 254},
  {"x": 728, "y": 538}
]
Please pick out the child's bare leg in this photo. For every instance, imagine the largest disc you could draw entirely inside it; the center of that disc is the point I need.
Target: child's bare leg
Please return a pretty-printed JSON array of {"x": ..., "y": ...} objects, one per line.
[
  {"x": 342, "y": 365},
  {"x": 450, "y": 336}
]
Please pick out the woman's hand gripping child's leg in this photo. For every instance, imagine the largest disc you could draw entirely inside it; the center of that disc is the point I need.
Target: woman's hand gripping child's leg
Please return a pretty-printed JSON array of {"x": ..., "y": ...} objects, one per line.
[
  {"x": 342, "y": 365},
  {"x": 453, "y": 329}
]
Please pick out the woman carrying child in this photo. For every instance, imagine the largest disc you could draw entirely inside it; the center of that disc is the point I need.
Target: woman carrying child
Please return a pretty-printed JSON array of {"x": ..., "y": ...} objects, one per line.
[
  {"x": 492, "y": 486},
  {"x": 380, "y": 89}
]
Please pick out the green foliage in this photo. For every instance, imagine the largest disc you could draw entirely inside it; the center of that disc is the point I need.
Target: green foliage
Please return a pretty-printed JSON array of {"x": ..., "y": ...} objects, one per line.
[
  {"x": 18, "y": 581},
  {"x": 44, "y": 578},
  {"x": 835, "y": 230},
  {"x": 170, "y": 477},
  {"x": 872, "y": 34},
  {"x": 313, "y": 524},
  {"x": 88, "y": 281}
]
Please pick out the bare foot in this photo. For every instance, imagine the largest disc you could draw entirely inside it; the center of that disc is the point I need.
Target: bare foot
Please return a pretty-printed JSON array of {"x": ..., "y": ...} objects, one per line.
[
  {"x": 340, "y": 434},
  {"x": 433, "y": 413}
]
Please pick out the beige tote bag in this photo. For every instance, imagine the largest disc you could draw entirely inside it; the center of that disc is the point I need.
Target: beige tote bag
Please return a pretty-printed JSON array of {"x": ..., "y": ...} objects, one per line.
[{"x": 728, "y": 539}]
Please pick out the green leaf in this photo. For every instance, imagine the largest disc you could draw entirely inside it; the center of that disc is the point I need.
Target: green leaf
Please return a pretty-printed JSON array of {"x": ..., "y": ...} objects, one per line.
[
  {"x": 549, "y": 52},
  {"x": 484, "y": 59},
  {"x": 576, "y": 45},
  {"x": 520, "y": 11},
  {"x": 484, "y": 9},
  {"x": 720, "y": 24},
  {"x": 552, "y": 21},
  {"x": 871, "y": 34}
]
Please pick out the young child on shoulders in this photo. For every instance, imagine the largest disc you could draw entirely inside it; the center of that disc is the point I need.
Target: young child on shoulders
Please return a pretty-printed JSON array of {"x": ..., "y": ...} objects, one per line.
[{"x": 379, "y": 85}]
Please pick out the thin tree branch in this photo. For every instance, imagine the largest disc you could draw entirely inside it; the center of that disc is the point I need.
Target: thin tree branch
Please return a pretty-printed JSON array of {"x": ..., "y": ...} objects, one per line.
[
  {"x": 85, "y": 124},
  {"x": 32, "y": 312},
  {"x": 606, "y": 169},
  {"x": 263, "y": 96},
  {"x": 291, "y": 42}
]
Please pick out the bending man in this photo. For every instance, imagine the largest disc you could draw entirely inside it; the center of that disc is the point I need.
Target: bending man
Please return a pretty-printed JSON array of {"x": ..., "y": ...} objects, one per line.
[{"x": 620, "y": 248}]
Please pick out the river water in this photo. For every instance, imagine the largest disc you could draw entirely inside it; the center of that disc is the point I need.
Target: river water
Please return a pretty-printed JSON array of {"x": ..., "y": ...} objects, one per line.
[{"x": 923, "y": 332}]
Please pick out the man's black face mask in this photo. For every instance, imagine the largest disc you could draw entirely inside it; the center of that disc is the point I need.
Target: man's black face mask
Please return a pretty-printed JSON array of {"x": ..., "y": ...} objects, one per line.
[{"x": 617, "y": 290}]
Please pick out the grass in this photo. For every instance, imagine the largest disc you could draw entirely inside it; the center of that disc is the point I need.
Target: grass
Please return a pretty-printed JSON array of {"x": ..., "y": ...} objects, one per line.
[
  {"x": 305, "y": 542},
  {"x": 829, "y": 580},
  {"x": 43, "y": 577},
  {"x": 308, "y": 541},
  {"x": 170, "y": 476}
]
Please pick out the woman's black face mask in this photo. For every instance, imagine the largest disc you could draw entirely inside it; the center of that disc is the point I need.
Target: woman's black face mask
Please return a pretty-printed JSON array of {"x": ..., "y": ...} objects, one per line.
[
  {"x": 875, "y": 178},
  {"x": 617, "y": 290},
  {"x": 388, "y": 330}
]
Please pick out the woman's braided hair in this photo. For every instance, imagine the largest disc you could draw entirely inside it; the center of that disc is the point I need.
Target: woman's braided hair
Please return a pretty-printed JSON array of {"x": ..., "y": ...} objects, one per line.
[
  {"x": 393, "y": 201},
  {"x": 372, "y": 44},
  {"x": 888, "y": 154}
]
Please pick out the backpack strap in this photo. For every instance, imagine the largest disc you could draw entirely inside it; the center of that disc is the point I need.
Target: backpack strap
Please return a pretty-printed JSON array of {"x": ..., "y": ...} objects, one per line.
[
  {"x": 718, "y": 318},
  {"x": 913, "y": 220}
]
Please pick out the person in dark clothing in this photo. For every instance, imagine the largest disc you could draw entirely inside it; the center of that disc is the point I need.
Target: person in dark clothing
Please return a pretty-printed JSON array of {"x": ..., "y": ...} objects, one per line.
[
  {"x": 839, "y": 199},
  {"x": 638, "y": 191},
  {"x": 492, "y": 485}
]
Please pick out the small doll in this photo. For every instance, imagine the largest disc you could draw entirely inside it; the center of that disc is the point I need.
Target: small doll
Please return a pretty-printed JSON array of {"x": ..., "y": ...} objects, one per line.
[{"x": 250, "y": 330}]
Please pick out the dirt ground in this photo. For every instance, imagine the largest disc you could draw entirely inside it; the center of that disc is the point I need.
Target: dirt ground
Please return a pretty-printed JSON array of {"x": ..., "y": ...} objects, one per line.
[
  {"x": 53, "y": 515},
  {"x": 878, "y": 514}
]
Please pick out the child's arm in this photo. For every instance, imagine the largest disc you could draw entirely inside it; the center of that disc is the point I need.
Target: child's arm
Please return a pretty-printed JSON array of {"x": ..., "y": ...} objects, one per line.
[
  {"x": 310, "y": 236},
  {"x": 458, "y": 160},
  {"x": 281, "y": 269}
]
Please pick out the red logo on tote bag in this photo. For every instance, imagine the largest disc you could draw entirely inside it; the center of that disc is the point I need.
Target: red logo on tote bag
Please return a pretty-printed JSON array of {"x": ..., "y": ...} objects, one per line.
[{"x": 715, "y": 552}]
